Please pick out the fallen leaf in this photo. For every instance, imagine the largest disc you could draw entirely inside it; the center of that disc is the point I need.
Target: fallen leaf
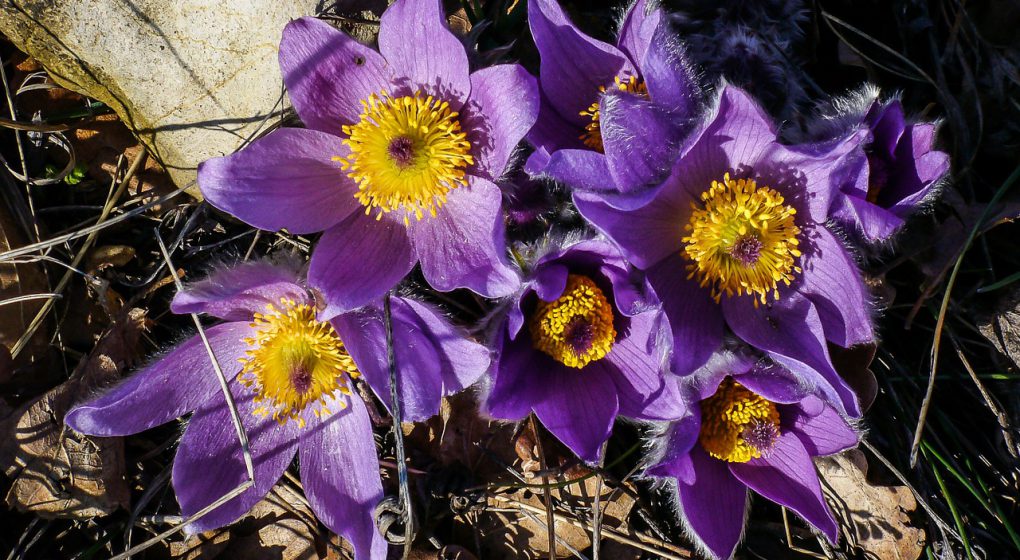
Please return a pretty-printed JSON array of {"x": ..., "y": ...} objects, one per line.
[
  {"x": 56, "y": 472},
  {"x": 878, "y": 516},
  {"x": 280, "y": 527},
  {"x": 109, "y": 256}
]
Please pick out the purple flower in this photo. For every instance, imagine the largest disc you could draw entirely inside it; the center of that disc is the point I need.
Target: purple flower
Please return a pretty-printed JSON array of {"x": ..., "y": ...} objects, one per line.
[
  {"x": 398, "y": 163},
  {"x": 576, "y": 140},
  {"x": 290, "y": 376},
  {"x": 580, "y": 344},
  {"x": 735, "y": 237},
  {"x": 756, "y": 426},
  {"x": 894, "y": 173}
]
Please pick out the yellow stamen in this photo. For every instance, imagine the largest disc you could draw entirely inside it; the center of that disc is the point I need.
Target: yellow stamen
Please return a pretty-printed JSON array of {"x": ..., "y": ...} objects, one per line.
[
  {"x": 407, "y": 153},
  {"x": 737, "y": 425},
  {"x": 294, "y": 361},
  {"x": 576, "y": 328},
  {"x": 592, "y": 136},
  {"x": 742, "y": 240}
]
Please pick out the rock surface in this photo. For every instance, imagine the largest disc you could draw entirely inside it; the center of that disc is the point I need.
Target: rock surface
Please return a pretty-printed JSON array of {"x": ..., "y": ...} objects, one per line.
[{"x": 192, "y": 78}]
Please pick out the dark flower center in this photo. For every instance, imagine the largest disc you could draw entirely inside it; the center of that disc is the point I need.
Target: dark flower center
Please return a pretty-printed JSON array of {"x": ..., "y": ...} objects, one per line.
[
  {"x": 579, "y": 335},
  {"x": 401, "y": 151},
  {"x": 761, "y": 436},
  {"x": 301, "y": 378},
  {"x": 746, "y": 249}
]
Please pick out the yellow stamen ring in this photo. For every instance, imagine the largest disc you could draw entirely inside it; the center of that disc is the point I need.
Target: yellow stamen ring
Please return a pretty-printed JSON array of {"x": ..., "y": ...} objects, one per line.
[
  {"x": 737, "y": 425},
  {"x": 592, "y": 136},
  {"x": 742, "y": 240},
  {"x": 294, "y": 361},
  {"x": 576, "y": 328},
  {"x": 407, "y": 153}
]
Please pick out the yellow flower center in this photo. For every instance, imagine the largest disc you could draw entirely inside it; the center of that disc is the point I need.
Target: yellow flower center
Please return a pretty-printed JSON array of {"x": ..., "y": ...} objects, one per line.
[
  {"x": 738, "y": 425},
  {"x": 577, "y": 328},
  {"x": 294, "y": 361},
  {"x": 407, "y": 153},
  {"x": 743, "y": 240},
  {"x": 592, "y": 136}
]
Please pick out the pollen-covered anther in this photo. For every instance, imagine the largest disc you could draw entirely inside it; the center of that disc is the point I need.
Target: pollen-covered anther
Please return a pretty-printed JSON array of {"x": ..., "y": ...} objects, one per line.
[
  {"x": 407, "y": 154},
  {"x": 294, "y": 362},
  {"x": 576, "y": 328},
  {"x": 737, "y": 425},
  {"x": 742, "y": 239},
  {"x": 592, "y": 136}
]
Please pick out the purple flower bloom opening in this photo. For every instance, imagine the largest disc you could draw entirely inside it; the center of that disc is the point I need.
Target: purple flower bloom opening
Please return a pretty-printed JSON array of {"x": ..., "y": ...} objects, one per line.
[
  {"x": 896, "y": 171},
  {"x": 290, "y": 375},
  {"x": 755, "y": 426},
  {"x": 398, "y": 163},
  {"x": 575, "y": 141},
  {"x": 581, "y": 344},
  {"x": 735, "y": 237}
]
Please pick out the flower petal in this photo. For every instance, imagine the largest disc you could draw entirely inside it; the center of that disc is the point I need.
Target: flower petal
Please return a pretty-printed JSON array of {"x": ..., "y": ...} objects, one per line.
[
  {"x": 775, "y": 383},
  {"x": 579, "y": 409},
  {"x": 518, "y": 380},
  {"x": 648, "y": 234},
  {"x": 641, "y": 140},
  {"x": 340, "y": 474},
  {"x": 637, "y": 30},
  {"x": 462, "y": 360},
  {"x": 363, "y": 332},
  {"x": 824, "y": 433},
  {"x": 788, "y": 477},
  {"x": 742, "y": 130},
  {"x": 175, "y": 384},
  {"x": 285, "y": 180},
  {"x": 673, "y": 449},
  {"x": 791, "y": 332},
  {"x": 875, "y": 222},
  {"x": 636, "y": 366},
  {"x": 463, "y": 245},
  {"x": 694, "y": 318},
  {"x": 433, "y": 358},
  {"x": 714, "y": 504},
  {"x": 671, "y": 80},
  {"x": 573, "y": 65},
  {"x": 358, "y": 261},
  {"x": 209, "y": 461},
  {"x": 833, "y": 283},
  {"x": 496, "y": 122},
  {"x": 578, "y": 168},
  {"x": 237, "y": 292},
  {"x": 328, "y": 74},
  {"x": 419, "y": 47}
]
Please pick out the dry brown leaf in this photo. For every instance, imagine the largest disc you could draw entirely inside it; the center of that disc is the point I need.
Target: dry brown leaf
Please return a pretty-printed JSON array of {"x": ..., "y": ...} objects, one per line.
[
  {"x": 55, "y": 472},
  {"x": 280, "y": 527},
  {"x": 108, "y": 256},
  {"x": 879, "y": 516},
  {"x": 521, "y": 532}
]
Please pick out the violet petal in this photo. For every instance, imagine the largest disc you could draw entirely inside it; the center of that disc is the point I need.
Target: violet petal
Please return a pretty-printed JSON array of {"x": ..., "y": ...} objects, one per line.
[
  {"x": 315, "y": 59},
  {"x": 358, "y": 261},
  {"x": 284, "y": 180}
]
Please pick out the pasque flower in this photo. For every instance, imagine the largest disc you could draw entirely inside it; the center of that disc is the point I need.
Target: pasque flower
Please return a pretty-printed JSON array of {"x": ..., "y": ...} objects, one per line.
[
  {"x": 575, "y": 140},
  {"x": 397, "y": 164},
  {"x": 580, "y": 344},
  {"x": 735, "y": 237},
  {"x": 752, "y": 425},
  {"x": 290, "y": 374},
  {"x": 896, "y": 170}
]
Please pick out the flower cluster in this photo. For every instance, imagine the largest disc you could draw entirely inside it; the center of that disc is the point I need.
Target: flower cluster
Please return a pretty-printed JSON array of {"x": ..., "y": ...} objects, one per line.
[{"x": 698, "y": 288}]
